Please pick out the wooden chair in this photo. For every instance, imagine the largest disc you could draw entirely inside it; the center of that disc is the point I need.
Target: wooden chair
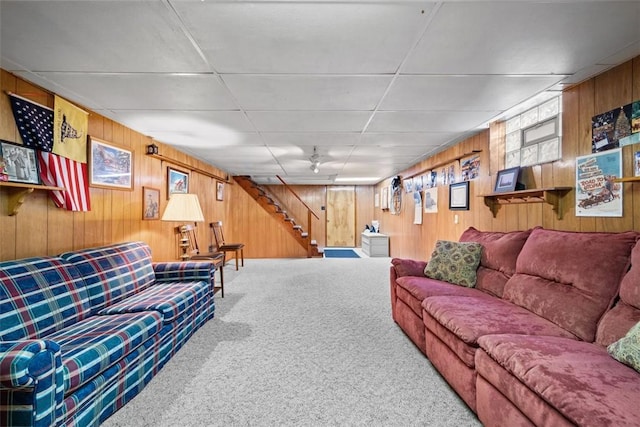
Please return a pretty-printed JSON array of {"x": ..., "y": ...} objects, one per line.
[
  {"x": 221, "y": 246},
  {"x": 194, "y": 252}
]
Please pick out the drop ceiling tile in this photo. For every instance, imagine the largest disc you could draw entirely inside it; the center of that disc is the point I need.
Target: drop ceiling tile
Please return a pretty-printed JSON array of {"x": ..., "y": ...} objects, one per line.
[
  {"x": 424, "y": 139},
  {"x": 295, "y": 92},
  {"x": 189, "y": 122},
  {"x": 146, "y": 91},
  {"x": 310, "y": 138},
  {"x": 398, "y": 152},
  {"x": 498, "y": 37},
  {"x": 105, "y": 36},
  {"x": 181, "y": 139},
  {"x": 304, "y": 37},
  {"x": 463, "y": 93},
  {"x": 428, "y": 121},
  {"x": 309, "y": 121}
]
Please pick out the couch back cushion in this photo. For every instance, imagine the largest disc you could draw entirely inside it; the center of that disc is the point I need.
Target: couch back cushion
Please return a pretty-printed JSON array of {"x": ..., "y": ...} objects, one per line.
[
  {"x": 112, "y": 273},
  {"x": 499, "y": 254},
  {"x": 39, "y": 296},
  {"x": 616, "y": 322},
  {"x": 570, "y": 278}
]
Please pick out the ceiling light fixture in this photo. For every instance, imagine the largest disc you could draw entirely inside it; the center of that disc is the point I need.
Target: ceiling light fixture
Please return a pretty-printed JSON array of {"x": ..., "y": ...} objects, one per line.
[{"x": 315, "y": 160}]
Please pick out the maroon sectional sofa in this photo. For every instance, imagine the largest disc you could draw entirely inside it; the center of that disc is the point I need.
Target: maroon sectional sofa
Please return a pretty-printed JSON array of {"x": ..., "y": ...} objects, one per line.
[{"x": 527, "y": 345}]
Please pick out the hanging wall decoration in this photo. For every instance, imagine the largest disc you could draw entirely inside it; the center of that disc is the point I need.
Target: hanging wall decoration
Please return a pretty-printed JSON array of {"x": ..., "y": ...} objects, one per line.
[
  {"x": 596, "y": 192},
  {"x": 616, "y": 128}
]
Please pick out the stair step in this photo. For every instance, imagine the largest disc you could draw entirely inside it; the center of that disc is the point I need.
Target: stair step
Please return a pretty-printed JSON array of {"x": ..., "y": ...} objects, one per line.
[
  {"x": 304, "y": 234},
  {"x": 314, "y": 242},
  {"x": 297, "y": 227}
]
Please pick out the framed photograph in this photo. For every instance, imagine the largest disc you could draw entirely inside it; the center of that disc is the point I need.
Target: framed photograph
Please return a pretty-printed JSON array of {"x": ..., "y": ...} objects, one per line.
[
  {"x": 506, "y": 180},
  {"x": 150, "y": 203},
  {"x": 219, "y": 190},
  {"x": 177, "y": 182},
  {"x": 459, "y": 196},
  {"x": 20, "y": 163},
  {"x": 636, "y": 164},
  {"x": 110, "y": 166}
]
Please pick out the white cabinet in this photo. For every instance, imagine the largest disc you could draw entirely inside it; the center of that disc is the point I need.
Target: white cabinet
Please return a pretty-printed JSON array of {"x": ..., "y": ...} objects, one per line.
[{"x": 375, "y": 244}]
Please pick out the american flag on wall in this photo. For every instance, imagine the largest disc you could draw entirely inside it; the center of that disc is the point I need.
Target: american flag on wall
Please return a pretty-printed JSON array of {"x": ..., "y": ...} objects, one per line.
[{"x": 35, "y": 125}]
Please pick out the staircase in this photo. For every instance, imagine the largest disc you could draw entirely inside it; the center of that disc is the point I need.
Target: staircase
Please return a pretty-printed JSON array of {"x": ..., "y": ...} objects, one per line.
[{"x": 270, "y": 204}]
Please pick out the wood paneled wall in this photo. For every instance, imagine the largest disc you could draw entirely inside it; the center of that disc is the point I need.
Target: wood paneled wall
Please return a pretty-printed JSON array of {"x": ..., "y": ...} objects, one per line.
[
  {"x": 40, "y": 228},
  {"x": 614, "y": 88}
]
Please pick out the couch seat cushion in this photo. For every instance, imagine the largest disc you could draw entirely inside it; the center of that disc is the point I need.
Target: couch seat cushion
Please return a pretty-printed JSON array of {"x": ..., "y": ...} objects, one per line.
[
  {"x": 581, "y": 380},
  {"x": 570, "y": 278},
  {"x": 499, "y": 254},
  {"x": 472, "y": 317},
  {"x": 113, "y": 273},
  {"x": 413, "y": 290},
  {"x": 92, "y": 345},
  {"x": 39, "y": 296},
  {"x": 169, "y": 299}
]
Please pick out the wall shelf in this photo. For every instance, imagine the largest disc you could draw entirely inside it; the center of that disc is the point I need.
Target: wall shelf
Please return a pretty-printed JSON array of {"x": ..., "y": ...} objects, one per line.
[
  {"x": 551, "y": 196},
  {"x": 188, "y": 166},
  {"x": 18, "y": 193},
  {"x": 628, "y": 179}
]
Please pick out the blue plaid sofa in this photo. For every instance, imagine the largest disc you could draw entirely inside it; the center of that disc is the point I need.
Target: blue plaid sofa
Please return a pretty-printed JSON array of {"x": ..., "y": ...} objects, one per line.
[{"x": 82, "y": 333}]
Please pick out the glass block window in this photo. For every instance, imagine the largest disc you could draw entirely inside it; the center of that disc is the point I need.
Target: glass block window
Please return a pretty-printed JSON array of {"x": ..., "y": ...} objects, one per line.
[{"x": 535, "y": 136}]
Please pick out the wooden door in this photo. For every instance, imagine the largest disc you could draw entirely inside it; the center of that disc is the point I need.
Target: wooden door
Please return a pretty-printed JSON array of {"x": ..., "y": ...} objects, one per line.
[{"x": 341, "y": 216}]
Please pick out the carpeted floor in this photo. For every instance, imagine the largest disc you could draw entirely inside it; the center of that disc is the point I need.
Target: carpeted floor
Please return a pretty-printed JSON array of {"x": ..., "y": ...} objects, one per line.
[{"x": 299, "y": 342}]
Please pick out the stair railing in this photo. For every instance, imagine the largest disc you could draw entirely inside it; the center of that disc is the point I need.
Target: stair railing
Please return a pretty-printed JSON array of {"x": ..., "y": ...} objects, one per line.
[{"x": 310, "y": 212}]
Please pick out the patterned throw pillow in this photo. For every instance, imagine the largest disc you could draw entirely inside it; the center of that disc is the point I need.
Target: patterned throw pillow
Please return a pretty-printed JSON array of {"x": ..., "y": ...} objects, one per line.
[
  {"x": 455, "y": 262},
  {"x": 627, "y": 348}
]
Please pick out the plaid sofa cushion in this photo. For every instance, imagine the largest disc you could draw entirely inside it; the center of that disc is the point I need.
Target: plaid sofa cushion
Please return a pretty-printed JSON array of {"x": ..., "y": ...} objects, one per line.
[
  {"x": 113, "y": 272},
  {"x": 39, "y": 296},
  {"x": 94, "y": 344},
  {"x": 170, "y": 299}
]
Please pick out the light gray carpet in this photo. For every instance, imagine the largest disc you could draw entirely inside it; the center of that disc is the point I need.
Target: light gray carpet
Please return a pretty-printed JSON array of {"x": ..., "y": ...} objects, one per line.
[{"x": 299, "y": 342}]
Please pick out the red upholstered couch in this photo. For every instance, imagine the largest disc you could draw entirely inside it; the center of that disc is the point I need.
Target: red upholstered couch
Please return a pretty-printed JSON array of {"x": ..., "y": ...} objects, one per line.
[{"x": 527, "y": 345}]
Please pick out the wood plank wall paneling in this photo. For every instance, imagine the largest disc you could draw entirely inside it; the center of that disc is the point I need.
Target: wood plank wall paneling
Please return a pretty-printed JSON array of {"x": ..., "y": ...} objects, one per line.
[
  {"x": 40, "y": 228},
  {"x": 614, "y": 88}
]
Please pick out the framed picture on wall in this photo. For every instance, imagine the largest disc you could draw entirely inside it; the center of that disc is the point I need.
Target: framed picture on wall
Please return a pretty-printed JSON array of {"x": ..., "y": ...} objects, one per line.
[
  {"x": 110, "y": 166},
  {"x": 219, "y": 190},
  {"x": 20, "y": 163},
  {"x": 459, "y": 196},
  {"x": 177, "y": 182},
  {"x": 150, "y": 203}
]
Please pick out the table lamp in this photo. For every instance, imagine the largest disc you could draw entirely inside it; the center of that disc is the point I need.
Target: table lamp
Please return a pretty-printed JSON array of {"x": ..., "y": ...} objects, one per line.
[{"x": 183, "y": 208}]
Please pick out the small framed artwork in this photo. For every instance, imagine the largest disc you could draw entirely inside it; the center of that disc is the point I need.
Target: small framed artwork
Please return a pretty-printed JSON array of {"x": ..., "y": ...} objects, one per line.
[
  {"x": 20, "y": 163},
  {"x": 636, "y": 163},
  {"x": 110, "y": 166},
  {"x": 177, "y": 182},
  {"x": 150, "y": 203},
  {"x": 459, "y": 196},
  {"x": 506, "y": 180},
  {"x": 219, "y": 190}
]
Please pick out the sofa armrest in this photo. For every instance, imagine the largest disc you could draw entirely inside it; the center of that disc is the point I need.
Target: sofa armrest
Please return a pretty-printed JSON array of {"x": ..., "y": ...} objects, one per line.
[
  {"x": 184, "y": 271},
  {"x": 408, "y": 267},
  {"x": 31, "y": 371}
]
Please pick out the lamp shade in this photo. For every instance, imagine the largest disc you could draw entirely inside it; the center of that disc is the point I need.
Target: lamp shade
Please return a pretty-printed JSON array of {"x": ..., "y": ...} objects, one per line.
[{"x": 184, "y": 208}]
